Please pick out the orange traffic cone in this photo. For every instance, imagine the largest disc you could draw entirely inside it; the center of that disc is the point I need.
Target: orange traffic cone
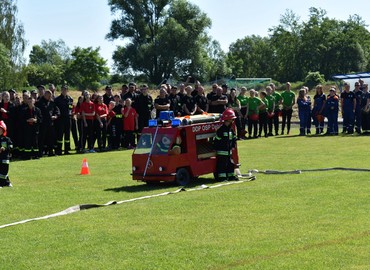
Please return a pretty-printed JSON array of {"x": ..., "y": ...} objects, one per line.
[{"x": 85, "y": 167}]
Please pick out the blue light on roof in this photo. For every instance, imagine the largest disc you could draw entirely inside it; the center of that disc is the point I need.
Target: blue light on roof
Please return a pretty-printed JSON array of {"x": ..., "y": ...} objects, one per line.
[
  {"x": 176, "y": 122},
  {"x": 153, "y": 123},
  {"x": 166, "y": 115}
]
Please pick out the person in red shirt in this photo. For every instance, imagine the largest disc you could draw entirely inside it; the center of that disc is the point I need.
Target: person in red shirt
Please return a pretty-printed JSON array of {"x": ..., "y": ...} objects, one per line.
[
  {"x": 88, "y": 115},
  {"x": 100, "y": 123},
  {"x": 130, "y": 124}
]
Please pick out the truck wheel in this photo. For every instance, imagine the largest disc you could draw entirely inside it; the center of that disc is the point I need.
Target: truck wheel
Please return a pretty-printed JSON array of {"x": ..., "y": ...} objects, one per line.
[{"x": 182, "y": 177}]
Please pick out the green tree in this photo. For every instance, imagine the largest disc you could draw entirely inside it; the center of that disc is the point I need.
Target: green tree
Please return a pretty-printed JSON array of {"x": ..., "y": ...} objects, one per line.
[
  {"x": 86, "y": 68},
  {"x": 6, "y": 67},
  {"x": 12, "y": 39},
  {"x": 251, "y": 57},
  {"x": 48, "y": 62},
  {"x": 286, "y": 42},
  {"x": 333, "y": 46},
  {"x": 51, "y": 52},
  {"x": 217, "y": 67},
  {"x": 164, "y": 38}
]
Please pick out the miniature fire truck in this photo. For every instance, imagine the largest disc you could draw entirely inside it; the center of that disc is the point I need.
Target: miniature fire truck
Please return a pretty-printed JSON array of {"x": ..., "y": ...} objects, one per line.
[{"x": 177, "y": 149}]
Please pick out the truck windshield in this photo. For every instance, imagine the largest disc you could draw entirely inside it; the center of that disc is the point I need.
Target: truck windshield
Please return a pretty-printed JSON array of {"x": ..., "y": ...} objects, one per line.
[{"x": 161, "y": 145}]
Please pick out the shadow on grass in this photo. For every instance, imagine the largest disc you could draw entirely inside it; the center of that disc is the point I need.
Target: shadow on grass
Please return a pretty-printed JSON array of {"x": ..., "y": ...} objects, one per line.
[{"x": 160, "y": 185}]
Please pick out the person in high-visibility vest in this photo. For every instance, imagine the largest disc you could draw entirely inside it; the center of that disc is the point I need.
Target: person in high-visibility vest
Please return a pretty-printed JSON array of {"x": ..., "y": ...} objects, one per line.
[{"x": 224, "y": 143}]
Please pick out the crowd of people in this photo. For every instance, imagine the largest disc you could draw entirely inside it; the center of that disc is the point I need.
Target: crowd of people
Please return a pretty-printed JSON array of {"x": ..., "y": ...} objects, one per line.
[{"x": 40, "y": 123}]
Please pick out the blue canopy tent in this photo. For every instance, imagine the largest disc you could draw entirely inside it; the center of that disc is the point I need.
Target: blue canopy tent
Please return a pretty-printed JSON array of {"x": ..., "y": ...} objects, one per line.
[{"x": 340, "y": 78}]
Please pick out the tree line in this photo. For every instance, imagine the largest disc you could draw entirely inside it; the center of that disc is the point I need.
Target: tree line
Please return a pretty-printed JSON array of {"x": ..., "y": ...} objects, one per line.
[{"x": 168, "y": 39}]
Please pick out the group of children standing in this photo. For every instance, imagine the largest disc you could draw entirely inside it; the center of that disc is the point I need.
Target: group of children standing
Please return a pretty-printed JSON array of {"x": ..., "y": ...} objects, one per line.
[{"x": 354, "y": 106}]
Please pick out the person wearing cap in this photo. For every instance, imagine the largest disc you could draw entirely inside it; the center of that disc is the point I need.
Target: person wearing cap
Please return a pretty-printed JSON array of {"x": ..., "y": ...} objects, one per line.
[
  {"x": 41, "y": 91},
  {"x": 124, "y": 90},
  {"x": 348, "y": 106},
  {"x": 13, "y": 94},
  {"x": 358, "y": 115},
  {"x": 108, "y": 95},
  {"x": 224, "y": 143},
  {"x": 63, "y": 124},
  {"x": 34, "y": 94},
  {"x": 6, "y": 146},
  {"x": 288, "y": 101},
  {"x": 319, "y": 100},
  {"x": 50, "y": 113},
  {"x": 331, "y": 112},
  {"x": 131, "y": 94}
]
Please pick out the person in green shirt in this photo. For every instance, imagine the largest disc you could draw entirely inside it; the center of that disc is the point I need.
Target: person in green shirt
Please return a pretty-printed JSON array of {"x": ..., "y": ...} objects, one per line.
[
  {"x": 277, "y": 111},
  {"x": 270, "y": 109},
  {"x": 243, "y": 99},
  {"x": 255, "y": 104},
  {"x": 288, "y": 102}
]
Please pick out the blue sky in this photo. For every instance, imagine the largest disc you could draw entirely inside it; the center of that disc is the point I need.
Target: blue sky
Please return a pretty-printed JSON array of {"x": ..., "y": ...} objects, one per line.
[{"x": 85, "y": 23}]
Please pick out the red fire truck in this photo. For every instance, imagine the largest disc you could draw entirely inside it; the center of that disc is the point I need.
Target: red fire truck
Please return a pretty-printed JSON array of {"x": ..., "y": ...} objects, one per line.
[{"x": 177, "y": 149}]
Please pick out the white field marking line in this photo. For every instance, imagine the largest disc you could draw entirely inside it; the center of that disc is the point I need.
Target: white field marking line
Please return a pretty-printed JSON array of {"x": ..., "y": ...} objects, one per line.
[{"x": 77, "y": 208}]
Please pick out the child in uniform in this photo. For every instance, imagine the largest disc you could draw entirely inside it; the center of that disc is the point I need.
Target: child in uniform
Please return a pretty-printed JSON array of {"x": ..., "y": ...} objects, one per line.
[
  {"x": 224, "y": 143},
  {"x": 6, "y": 146}
]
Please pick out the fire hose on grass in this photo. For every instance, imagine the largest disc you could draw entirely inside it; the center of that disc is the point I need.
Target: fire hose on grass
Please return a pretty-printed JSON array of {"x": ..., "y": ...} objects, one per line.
[{"x": 241, "y": 179}]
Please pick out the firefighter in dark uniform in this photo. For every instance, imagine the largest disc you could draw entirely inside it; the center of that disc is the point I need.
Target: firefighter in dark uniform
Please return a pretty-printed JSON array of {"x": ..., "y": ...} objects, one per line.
[
  {"x": 18, "y": 137},
  {"x": 348, "y": 106},
  {"x": 144, "y": 107},
  {"x": 6, "y": 146},
  {"x": 31, "y": 119},
  {"x": 63, "y": 124},
  {"x": 108, "y": 96},
  {"x": 50, "y": 112},
  {"x": 117, "y": 123},
  {"x": 175, "y": 101},
  {"x": 162, "y": 102},
  {"x": 224, "y": 143}
]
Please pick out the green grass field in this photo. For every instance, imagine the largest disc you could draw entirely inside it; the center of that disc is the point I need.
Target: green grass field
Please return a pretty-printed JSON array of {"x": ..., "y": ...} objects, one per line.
[{"x": 313, "y": 220}]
